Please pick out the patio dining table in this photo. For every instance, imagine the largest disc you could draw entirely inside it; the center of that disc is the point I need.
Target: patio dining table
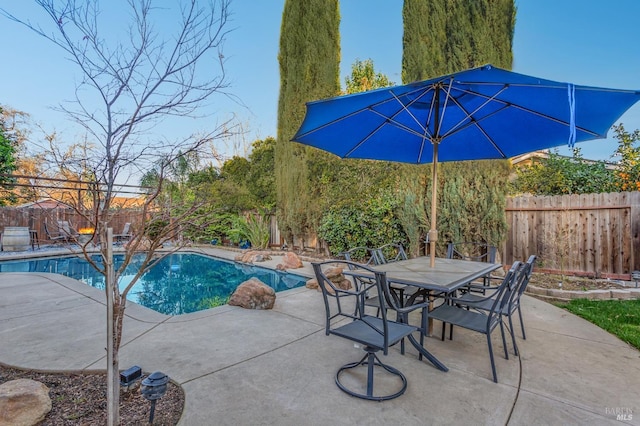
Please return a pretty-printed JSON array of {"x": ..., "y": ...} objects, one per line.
[{"x": 447, "y": 276}]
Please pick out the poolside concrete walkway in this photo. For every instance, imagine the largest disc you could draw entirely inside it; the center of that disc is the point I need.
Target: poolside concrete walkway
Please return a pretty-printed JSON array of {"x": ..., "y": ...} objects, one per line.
[{"x": 241, "y": 367}]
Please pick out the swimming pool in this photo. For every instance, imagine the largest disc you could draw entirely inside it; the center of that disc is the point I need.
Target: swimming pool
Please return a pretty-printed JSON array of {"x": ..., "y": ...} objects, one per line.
[{"x": 177, "y": 284}]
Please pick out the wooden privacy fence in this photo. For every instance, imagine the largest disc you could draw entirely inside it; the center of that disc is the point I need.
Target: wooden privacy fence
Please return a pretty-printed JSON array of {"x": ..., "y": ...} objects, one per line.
[
  {"x": 592, "y": 234},
  {"x": 35, "y": 218},
  {"x": 588, "y": 234}
]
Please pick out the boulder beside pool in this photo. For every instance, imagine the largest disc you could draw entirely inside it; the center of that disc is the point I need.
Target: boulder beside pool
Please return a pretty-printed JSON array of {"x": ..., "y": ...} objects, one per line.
[
  {"x": 252, "y": 256},
  {"x": 334, "y": 275},
  {"x": 253, "y": 294},
  {"x": 290, "y": 260}
]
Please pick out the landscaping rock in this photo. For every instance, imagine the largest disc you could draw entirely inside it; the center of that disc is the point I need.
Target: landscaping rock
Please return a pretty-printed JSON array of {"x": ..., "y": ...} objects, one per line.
[
  {"x": 253, "y": 294},
  {"x": 338, "y": 279},
  {"x": 252, "y": 256},
  {"x": 599, "y": 294},
  {"x": 291, "y": 260},
  {"x": 621, "y": 294},
  {"x": 23, "y": 402}
]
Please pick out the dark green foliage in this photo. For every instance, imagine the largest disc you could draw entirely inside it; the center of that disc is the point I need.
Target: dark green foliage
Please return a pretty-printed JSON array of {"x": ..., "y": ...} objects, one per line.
[
  {"x": 372, "y": 223},
  {"x": 471, "y": 202},
  {"x": 236, "y": 169},
  {"x": 8, "y": 147},
  {"x": 558, "y": 175},
  {"x": 411, "y": 209},
  {"x": 155, "y": 227},
  {"x": 309, "y": 69},
  {"x": 234, "y": 195},
  {"x": 425, "y": 35},
  {"x": 261, "y": 180},
  {"x": 441, "y": 37},
  {"x": 334, "y": 182},
  {"x": 445, "y": 36},
  {"x": 241, "y": 184},
  {"x": 628, "y": 173}
]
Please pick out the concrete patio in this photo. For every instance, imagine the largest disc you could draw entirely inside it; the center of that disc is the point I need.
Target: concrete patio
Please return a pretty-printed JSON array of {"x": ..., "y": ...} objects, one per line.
[{"x": 242, "y": 367}]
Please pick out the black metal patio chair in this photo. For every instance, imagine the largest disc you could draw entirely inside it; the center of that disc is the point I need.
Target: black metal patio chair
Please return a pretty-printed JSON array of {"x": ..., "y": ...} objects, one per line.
[
  {"x": 481, "y": 321},
  {"x": 522, "y": 280},
  {"x": 346, "y": 318},
  {"x": 361, "y": 255},
  {"x": 476, "y": 252},
  {"x": 390, "y": 253}
]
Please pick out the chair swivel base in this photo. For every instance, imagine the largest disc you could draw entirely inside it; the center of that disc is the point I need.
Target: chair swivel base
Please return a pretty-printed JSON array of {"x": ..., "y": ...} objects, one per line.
[{"x": 370, "y": 361}]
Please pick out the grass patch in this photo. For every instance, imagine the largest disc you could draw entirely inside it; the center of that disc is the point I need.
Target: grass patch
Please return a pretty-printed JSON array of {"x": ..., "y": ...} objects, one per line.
[{"x": 618, "y": 317}]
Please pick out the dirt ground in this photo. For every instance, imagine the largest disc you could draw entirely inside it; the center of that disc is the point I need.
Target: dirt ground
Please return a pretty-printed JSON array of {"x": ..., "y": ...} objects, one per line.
[
  {"x": 80, "y": 399},
  {"x": 571, "y": 283}
]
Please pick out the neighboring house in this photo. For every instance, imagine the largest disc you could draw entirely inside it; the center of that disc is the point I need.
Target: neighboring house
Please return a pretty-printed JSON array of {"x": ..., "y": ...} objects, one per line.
[
  {"x": 127, "y": 202},
  {"x": 117, "y": 203},
  {"x": 44, "y": 203},
  {"x": 526, "y": 160}
]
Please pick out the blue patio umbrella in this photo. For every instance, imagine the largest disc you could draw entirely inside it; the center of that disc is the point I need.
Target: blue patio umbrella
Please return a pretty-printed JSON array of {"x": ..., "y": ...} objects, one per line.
[{"x": 477, "y": 114}]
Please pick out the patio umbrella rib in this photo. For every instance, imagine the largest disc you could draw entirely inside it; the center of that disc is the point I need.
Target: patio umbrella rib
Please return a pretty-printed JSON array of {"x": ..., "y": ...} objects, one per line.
[
  {"x": 471, "y": 115},
  {"x": 508, "y": 104},
  {"x": 388, "y": 119}
]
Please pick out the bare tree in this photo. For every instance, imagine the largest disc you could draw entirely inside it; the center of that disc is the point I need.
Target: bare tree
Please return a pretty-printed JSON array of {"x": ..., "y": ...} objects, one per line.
[{"x": 131, "y": 81}]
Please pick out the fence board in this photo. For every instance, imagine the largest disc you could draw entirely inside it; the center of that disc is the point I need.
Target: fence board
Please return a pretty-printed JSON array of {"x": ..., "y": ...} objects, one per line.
[
  {"x": 35, "y": 218},
  {"x": 594, "y": 234}
]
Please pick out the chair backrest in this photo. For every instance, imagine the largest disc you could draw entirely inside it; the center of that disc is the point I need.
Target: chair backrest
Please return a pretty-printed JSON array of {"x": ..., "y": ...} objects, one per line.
[
  {"x": 506, "y": 291},
  {"x": 478, "y": 252},
  {"x": 527, "y": 271},
  {"x": 361, "y": 256},
  {"x": 46, "y": 231},
  {"x": 390, "y": 253},
  {"x": 345, "y": 286},
  {"x": 64, "y": 228},
  {"x": 125, "y": 229}
]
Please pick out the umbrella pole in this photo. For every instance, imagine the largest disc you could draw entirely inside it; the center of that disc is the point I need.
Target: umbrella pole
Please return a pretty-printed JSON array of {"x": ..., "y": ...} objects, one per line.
[{"x": 433, "y": 232}]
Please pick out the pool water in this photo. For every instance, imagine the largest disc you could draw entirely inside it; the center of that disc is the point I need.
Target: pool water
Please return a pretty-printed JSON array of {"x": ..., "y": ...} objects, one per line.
[{"x": 177, "y": 284}]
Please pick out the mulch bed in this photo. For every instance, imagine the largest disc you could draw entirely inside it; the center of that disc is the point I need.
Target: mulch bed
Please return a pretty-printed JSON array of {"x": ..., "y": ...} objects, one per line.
[
  {"x": 80, "y": 399},
  {"x": 554, "y": 281}
]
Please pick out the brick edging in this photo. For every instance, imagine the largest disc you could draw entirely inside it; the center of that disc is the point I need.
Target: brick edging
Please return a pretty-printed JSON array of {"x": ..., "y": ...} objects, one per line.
[{"x": 566, "y": 295}]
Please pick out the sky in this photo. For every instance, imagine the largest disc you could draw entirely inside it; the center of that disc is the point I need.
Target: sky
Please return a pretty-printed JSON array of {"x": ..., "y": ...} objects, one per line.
[{"x": 585, "y": 42}]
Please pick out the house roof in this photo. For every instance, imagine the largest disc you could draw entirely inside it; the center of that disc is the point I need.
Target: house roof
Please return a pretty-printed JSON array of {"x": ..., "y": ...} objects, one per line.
[{"x": 45, "y": 203}]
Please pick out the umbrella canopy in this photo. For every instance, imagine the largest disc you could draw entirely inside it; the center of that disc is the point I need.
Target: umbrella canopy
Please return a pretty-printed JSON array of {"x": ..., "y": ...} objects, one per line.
[{"x": 477, "y": 114}]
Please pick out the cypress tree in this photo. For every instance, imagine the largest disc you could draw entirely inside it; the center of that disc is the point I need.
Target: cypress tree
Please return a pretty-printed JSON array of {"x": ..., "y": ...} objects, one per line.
[
  {"x": 309, "y": 60},
  {"x": 445, "y": 36},
  {"x": 424, "y": 39}
]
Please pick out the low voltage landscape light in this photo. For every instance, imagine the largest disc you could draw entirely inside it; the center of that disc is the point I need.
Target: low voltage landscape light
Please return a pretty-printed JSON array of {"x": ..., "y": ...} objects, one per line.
[{"x": 153, "y": 388}]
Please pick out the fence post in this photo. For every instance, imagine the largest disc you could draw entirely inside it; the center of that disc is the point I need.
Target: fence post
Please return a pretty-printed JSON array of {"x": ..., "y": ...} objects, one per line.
[{"x": 635, "y": 231}]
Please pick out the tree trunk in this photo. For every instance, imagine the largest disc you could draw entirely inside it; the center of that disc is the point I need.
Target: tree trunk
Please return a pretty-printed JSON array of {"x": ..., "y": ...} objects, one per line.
[{"x": 113, "y": 301}]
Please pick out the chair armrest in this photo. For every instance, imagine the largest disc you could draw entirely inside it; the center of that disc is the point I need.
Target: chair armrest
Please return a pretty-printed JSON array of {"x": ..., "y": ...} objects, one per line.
[
  {"x": 480, "y": 287},
  {"x": 460, "y": 300}
]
